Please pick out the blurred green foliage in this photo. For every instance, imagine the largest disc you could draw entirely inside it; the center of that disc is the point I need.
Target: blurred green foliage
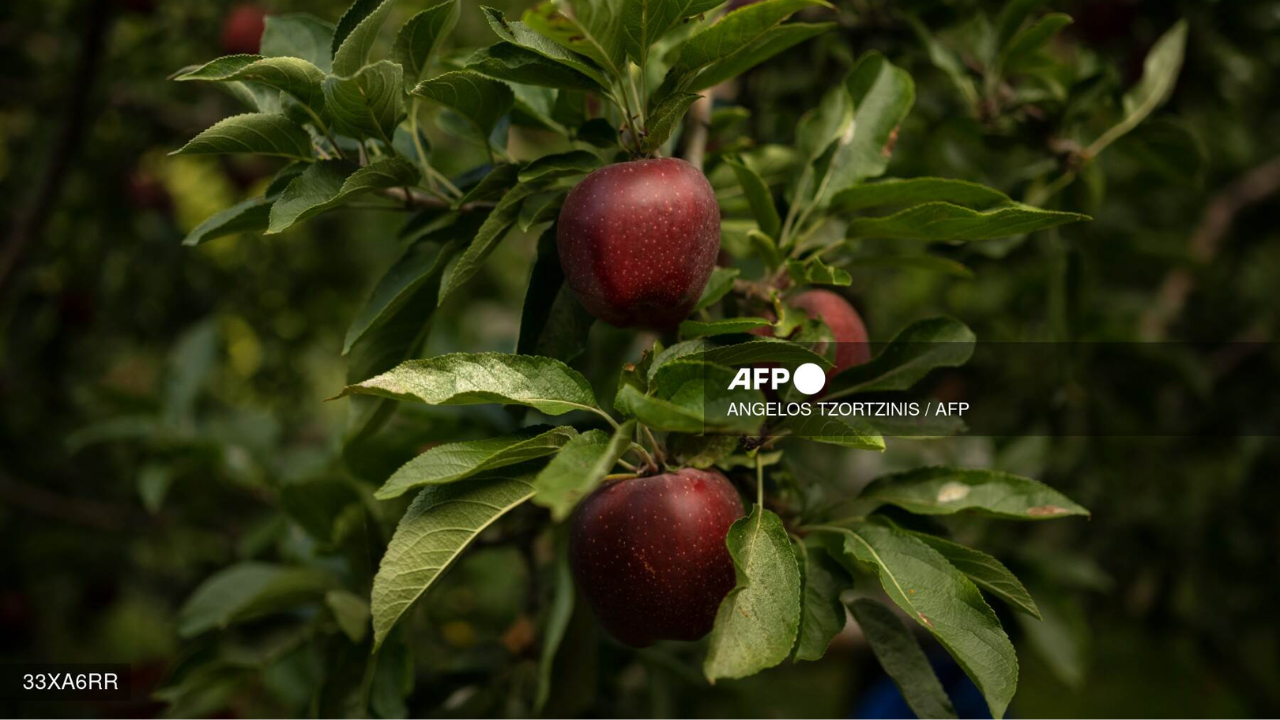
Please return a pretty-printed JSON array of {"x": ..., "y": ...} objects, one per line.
[{"x": 162, "y": 413}]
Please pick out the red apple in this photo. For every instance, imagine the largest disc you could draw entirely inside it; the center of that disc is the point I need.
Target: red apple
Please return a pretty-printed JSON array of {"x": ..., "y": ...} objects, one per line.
[
  {"x": 242, "y": 30},
  {"x": 649, "y": 554},
  {"x": 638, "y": 241},
  {"x": 846, "y": 326}
]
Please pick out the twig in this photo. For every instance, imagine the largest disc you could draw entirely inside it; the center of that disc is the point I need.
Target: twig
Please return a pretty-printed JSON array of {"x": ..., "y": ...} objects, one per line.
[
  {"x": 75, "y": 510},
  {"x": 696, "y": 126},
  {"x": 1215, "y": 223},
  {"x": 29, "y": 226},
  {"x": 413, "y": 199}
]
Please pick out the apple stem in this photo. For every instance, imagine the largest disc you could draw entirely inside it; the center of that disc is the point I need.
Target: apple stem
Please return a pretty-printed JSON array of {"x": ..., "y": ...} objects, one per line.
[
  {"x": 657, "y": 448},
  {"x": 759, "y": 480},
  {"x": 649, "y": 464}
]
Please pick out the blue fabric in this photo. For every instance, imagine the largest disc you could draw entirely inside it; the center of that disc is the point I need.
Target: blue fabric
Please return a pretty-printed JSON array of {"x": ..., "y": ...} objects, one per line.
[{"x": 884, "y": 700}]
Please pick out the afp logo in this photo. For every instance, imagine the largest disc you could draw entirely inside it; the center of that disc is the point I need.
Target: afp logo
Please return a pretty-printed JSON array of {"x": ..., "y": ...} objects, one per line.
[{"x": 809, "y": 378}]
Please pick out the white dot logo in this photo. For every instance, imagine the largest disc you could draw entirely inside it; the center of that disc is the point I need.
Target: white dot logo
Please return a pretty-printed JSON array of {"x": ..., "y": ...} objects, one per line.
[{"x": 809, "y": 379}]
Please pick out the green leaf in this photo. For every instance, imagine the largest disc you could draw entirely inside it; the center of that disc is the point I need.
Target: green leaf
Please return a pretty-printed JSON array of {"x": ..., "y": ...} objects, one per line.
[
  {"x": 1163, "y": 146},
  {"x": 437, "y": 527},
  {"x": 848, "y": 432},
  {"x": 506, "y": 61},
  {"x": 1025, "y": 44},
  {"x": 635, "y": 376},
  {"x": 945, "y": 602},
  {"x": 774, "y": 41},
  {"x": 758, "y": 620},
  {"x": 191, "y": 360},
  {"x": 331, "y": 183},
  {"x": 421, "y": 35},
  {"x": 541, "y": 209},
  {"x": 691, "y": 397},
  {"x": 480, "y": 100},
  {"x": 985, "y": 571},
  {"x": 594, "y": 30},
  {"x": 946, "y": 60},
  {"x": 254, "y": 97},
  {"x": 552, "y": 322},
  {"x": 943, "y": 221},
  {"x": 822, "y": 615},
  {"x": 257, "y": 133},
  {"x": 560, "y": 165},
  {"x": 1159, "y": 76},
  {"x": 665, "y": 118},
  {"x": 542, "y": 108},
  {"x": 299, "y": 78},
  {"x": 931, "y": 263},
  {"x": 356, "y": 32},
  {"x": 919, "y": 190},
  {"x": 544, "y": 384},
  {"x": 815, "y": 272},
  {"x": 299, "y": 35},
  {"x": 830, "y": 121},
  {"x": 903, "y": 660},
  {"x": 419, "y": 265},
  {"x": 727, "y": 326},
  {"x": 452, "y": 462},
  {"x": 691, "y": 349},
  {"x": 735, "y": 31},
  {"x": 912, "y": 354},
  {"x": 351, "y": 612},
  {"x": 1012, "y": 16},
  {"x": 882, "y": 95},
  {"x": 764, "y": 350},
  {"x": 701, "y": 451},
  {"x": 519, "y": 34},
  {"x": 369, "y": 102},
  {"x": 758, "y": 195},
  {"x": 248, "y": 590},
  {"x": 395, "y": 339},
  {"x": 495, "y": 228},
  {"x": 718, "y": 285},
  {"x": 946, "y": 491},
  {"x": 645, "y": 21},
  {"x": 252, "y": 215},
  {"x": 154, "y": 481},
  {"x": 1062, "y": 637},
  {"x": 492, "y": 186},
  {"x": 577, "y": 469},
  {"x": 561, "y": 611},
  {"x": 318, "y": 506}
]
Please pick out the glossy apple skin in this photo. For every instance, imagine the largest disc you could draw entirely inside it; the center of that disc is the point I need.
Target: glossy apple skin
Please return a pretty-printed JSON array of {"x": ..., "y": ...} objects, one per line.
[
  {"x": 638, "y": 241},
  {"x": 649, "y": 554},
  {"x": 242, "y": 30}
]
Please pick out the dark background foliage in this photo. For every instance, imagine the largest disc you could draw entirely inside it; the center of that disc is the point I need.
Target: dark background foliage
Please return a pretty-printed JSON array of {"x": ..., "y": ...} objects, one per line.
[{"x": 162, "y": 414}]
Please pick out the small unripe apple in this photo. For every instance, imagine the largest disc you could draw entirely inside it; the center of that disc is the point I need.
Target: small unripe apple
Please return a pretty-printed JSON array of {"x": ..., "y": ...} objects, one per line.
[
  {"x": 638, "y": 241},
  {"x": 242, "y": 30},
  {"x": 649, "y": 554}
]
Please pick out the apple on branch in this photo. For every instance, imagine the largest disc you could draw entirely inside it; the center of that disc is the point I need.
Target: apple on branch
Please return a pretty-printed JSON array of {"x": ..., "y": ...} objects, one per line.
[
  {"x": 649, "y": 554},
  {"x": 638, "y": 241}
]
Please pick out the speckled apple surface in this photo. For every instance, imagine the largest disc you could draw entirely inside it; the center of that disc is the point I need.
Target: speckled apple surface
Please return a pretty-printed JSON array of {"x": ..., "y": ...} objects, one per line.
[
  {"x": 638, "y": 241},
  {"x": 649, "y": 554}
]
